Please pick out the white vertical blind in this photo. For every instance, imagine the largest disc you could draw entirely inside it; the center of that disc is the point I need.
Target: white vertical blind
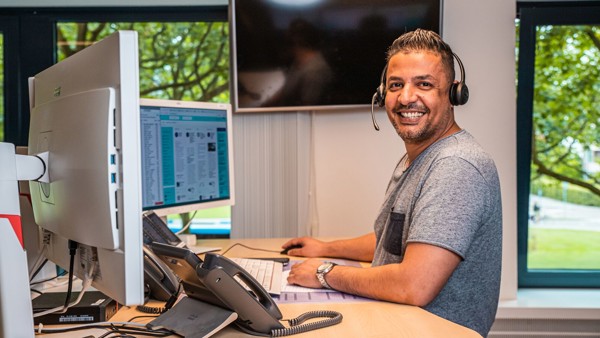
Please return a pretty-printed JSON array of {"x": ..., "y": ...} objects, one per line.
[{"x": 272, "y": 161}]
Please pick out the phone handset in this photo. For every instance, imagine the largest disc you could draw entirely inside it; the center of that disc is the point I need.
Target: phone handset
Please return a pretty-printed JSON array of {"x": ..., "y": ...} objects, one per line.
[
  {"x": 212, "y": 260},
  {"x": 222, "y": 282},
  {"x": 224, "y": 274},
  {"x": 228, "y": 281}
]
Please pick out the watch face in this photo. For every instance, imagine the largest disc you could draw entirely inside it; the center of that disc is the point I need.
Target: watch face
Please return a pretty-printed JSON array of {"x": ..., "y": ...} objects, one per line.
[{"x": 323, "y": 267}]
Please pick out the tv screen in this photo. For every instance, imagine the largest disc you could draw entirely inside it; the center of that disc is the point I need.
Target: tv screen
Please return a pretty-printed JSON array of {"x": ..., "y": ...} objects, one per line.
[{"x": 291, "y": 55}]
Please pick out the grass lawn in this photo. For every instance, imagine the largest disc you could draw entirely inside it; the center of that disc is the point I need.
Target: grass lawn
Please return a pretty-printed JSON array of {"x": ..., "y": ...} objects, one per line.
[
  {"x": 220, "y": 212},
  {"x": 563, "y": 249}
]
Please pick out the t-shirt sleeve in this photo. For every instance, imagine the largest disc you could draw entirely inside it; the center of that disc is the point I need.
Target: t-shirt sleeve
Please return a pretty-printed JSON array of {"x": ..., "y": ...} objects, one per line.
[{"x": 450, "y": 206}]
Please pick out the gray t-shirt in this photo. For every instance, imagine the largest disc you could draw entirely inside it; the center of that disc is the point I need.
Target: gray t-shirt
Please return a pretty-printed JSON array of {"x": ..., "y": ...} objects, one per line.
[{"x": 449, "y": 197}]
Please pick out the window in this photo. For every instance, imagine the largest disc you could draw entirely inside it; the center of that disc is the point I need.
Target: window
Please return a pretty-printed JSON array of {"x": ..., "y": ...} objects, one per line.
[
  {"x": 178, "y": 60},
  {"x": 558, "y": 122},
  {"x": 184, "y": 55},
  {"x": 8, "y": 43}
]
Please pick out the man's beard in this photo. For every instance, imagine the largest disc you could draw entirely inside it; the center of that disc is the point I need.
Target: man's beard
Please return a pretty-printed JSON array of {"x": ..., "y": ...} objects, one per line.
[{"x": 424, "y": 132}]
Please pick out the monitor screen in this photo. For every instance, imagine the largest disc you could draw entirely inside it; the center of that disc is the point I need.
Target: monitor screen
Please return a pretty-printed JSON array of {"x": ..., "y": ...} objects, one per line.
[
  {"x": 310, "y": 55},
  {"x": 187, "y": 158},
  {"x": 85, "y": 117}
]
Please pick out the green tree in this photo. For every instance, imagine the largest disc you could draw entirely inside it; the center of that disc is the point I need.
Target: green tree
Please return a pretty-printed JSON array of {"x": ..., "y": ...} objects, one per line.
[
  {"x": 567, "y": 104},
  {"x": 178, "y": 60}
]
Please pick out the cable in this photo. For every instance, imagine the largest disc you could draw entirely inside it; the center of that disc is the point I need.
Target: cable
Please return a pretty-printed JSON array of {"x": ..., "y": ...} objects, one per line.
[
  {"x": 158, "y": 309},
  {"x": 296, "y": 325},
  {"x": 114, "y": 327},
  {"x": 154, "y": 310},
  {"x": 63, "y": 272},
  {"x": 333, "y": 318},
  {"x": 87, "y": 282},
  {"x": 41, "y": 266},
  {"x": 64, "y": 308},
  {"x": 41, "y": 259},
  {"x": 187, "y": 225},
  {"x": 72, "y": 250},
  {"x": 141, "y": 316},
  {"x": 247, "y": 247}
]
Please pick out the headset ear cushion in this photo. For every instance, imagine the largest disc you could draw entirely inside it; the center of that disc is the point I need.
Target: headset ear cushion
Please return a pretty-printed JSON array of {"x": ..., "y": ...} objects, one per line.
[{"x": 459, "y": 94}]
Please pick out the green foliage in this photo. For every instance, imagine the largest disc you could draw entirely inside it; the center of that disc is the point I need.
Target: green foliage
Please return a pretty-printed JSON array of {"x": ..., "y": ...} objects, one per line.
[
  {"x": 178, "y": 60},
  {"x": 573, "y": 194},
  {"x": 563, "y": 249},
  {"x": 566, "y": 108}
]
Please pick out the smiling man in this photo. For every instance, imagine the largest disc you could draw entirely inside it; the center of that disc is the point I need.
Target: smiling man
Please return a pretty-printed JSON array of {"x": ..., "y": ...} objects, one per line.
[{"x": 438, "y": 237}]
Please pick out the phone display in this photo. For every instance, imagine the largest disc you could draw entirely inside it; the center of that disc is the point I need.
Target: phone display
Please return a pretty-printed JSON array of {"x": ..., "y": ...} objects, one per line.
[{"x": 155, "y": 230}]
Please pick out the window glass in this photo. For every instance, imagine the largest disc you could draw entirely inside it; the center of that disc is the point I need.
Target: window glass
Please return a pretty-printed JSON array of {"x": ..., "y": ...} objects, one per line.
[
  {"x": 1, "y": 87},
  {"x": 178, "y": 61},
  {"x": 564, "y": 215}
]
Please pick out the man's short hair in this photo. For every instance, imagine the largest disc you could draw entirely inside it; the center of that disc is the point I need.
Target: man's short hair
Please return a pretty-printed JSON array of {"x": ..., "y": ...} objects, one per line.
[{"x": 421, "y": 40}]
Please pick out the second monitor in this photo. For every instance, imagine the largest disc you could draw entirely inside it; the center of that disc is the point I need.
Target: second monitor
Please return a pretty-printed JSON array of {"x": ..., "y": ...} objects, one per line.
[{"x": 187, "y": 156}]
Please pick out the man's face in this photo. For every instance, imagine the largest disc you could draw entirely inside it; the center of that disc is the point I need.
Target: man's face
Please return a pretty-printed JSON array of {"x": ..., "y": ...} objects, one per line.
[{"x": 417, "y": 101}]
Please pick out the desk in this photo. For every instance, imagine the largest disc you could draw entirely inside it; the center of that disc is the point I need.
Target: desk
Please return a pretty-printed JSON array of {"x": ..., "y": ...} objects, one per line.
[{"x": 361, "y": 318}]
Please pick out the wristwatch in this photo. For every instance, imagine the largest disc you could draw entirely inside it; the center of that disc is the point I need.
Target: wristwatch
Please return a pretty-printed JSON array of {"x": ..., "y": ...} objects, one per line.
[{"x": 322, "y": 270}]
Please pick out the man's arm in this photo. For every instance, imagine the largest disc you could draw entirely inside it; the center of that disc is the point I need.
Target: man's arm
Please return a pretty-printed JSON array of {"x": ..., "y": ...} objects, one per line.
[
  {"x": 360, "y": 248},
  {"x": 417, "y": 280}
]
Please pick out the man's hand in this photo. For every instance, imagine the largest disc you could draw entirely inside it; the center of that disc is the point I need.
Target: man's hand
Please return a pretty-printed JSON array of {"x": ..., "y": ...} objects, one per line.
[
  {"x": 305, "y": 274},
  {"x": 306, "y": 247}
]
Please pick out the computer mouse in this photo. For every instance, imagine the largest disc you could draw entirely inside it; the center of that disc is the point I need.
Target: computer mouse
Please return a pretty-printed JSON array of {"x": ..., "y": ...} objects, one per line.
[{"x": 285, "y": 251}]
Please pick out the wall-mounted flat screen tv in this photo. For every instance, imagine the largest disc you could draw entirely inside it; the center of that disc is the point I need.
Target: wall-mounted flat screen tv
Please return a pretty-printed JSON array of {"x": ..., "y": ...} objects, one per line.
[{"x": 297, "y": 55}]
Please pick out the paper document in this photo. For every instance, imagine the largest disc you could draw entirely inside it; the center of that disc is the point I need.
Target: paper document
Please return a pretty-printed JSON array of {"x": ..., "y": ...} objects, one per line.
[{"x": 285, "y": 287}]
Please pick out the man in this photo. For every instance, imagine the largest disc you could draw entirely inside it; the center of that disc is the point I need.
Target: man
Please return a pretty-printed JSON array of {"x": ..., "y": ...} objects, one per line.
[{"x": 438, "y": 236}]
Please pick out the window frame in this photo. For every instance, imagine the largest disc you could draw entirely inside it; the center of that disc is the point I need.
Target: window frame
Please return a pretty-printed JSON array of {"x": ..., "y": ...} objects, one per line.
[
  {"x": 9, "y": 29},
  {"x": 534, "y": 14},
  {"x": 37, "y": 26}
]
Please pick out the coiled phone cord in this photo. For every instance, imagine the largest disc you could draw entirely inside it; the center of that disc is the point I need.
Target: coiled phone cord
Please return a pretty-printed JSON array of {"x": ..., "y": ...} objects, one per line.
[{"x": 333, "y": 318}]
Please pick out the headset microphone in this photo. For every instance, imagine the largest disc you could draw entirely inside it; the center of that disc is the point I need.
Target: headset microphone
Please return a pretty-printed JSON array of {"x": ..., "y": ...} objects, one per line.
[
  {"x": 373, "y": 114},
  {"x": 379, "y": 96}
]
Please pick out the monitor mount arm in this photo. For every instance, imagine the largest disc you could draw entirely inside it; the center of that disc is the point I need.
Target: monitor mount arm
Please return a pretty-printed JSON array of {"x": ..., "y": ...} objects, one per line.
[{"x": 16, "y": 316}]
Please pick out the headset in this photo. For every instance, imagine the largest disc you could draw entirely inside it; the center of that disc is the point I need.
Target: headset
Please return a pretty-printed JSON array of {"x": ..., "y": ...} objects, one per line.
[{"x": 459, "y": 92}]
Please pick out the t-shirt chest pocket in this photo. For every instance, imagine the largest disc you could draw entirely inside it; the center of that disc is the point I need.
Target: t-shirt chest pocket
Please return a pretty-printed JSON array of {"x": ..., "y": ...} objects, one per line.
[{"x": 394, "y": 231}]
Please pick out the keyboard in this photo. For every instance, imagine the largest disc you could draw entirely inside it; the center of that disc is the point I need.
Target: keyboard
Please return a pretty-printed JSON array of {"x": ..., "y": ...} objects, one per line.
[{"x": 267, "y": 273}]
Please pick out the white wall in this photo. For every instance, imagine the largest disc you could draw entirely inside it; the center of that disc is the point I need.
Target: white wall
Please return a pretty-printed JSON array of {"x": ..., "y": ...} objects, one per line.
[{"x": 354, "y": 162}]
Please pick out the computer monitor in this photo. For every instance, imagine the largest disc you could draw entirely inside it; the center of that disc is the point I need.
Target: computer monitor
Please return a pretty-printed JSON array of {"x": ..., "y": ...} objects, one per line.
[
  {"x": 187, "y": 157},
  {"x": 85, "y": 115}
]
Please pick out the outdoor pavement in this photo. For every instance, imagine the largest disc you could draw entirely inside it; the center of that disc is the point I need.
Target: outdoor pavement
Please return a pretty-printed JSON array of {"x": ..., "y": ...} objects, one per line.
[{"x": 554, "y": 214}]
